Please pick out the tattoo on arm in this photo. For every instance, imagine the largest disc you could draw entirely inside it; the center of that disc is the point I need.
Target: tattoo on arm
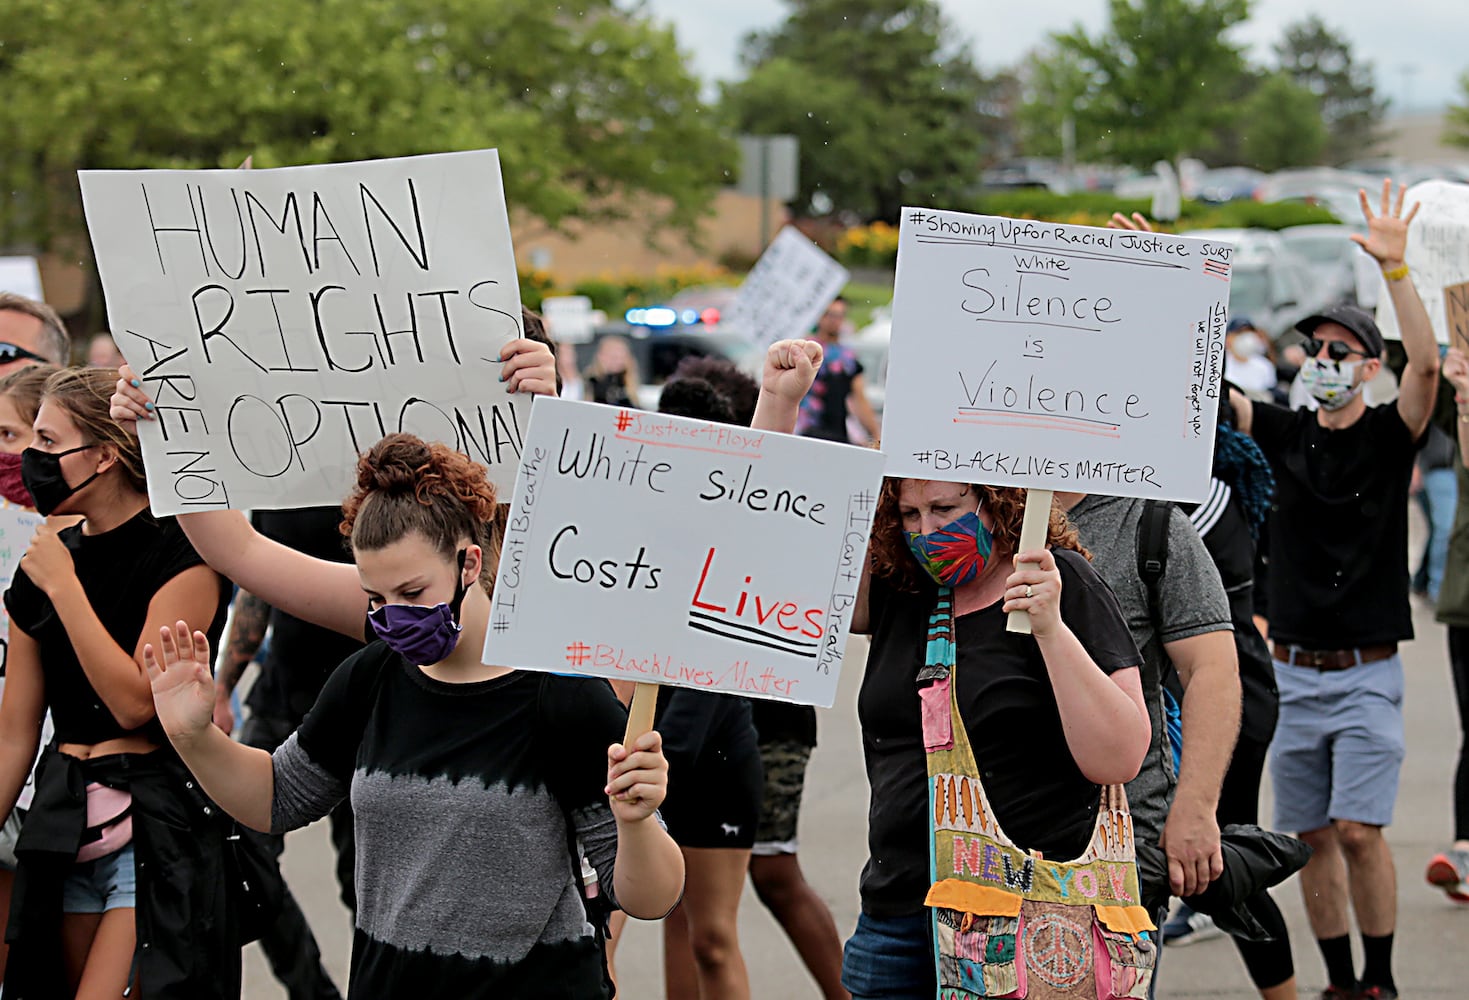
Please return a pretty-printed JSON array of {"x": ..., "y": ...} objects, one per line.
[{"x": 247, "y": 632}]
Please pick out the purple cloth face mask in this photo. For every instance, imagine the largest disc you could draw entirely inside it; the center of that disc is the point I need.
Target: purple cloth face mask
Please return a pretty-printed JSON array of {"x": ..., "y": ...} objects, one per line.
[{"x": 423, "y": 636}]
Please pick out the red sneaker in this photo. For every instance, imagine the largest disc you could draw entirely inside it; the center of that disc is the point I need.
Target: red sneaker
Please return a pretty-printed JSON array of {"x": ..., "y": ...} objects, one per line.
[
  {"x": 1447, "y": 871},
  {"x": 1376, "y": 993}
]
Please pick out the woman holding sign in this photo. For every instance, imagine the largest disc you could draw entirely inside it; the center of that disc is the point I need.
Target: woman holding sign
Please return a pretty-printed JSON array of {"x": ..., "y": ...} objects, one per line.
[
  {"x": 983, "y": 746},
  {"x": 474, "y": 788},
  {"x": 112, "y": 799}
]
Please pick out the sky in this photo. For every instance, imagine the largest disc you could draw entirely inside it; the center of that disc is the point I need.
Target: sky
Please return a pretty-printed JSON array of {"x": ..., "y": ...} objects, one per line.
[{"x": 1416, "y": 46}]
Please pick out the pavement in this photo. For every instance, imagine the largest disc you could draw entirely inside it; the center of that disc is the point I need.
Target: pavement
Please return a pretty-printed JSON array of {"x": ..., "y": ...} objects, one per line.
[{"x": 1432, "y": 953}]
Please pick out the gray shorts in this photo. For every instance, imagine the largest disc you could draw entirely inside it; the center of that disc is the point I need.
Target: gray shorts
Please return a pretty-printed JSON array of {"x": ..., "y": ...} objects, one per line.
[{"x": 1339, "y": 745}]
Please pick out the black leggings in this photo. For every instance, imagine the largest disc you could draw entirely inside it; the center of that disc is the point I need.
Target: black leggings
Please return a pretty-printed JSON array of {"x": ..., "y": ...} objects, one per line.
[
  {"x": 1459, "y": 665},
  {"x": 1269, "y": 962}
]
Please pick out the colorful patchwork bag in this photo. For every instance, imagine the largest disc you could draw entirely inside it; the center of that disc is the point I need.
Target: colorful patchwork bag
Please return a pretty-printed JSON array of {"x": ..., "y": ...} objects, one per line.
[{"x": 1009, "y": 922}]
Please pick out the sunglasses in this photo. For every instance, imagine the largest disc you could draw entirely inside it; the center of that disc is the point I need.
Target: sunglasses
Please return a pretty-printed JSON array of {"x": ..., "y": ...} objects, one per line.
[
  {"x": 14, "y": 352},
  {"x": 1336, "y": 350}
]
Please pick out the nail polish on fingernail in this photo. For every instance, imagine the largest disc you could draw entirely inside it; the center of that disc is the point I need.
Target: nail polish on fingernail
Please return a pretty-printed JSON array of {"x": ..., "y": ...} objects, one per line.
[
  {"x": 135, "y": 383},
  {"x": 148, "y": 405}
]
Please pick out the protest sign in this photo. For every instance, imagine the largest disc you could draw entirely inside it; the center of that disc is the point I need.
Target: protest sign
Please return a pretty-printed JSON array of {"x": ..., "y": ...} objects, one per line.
[
  {"x": 1437, "y": 254},
  {"x": 17, "y": 525},
  {"x": 570, "y": 319},
  {"x": 663, "y": 550},
  {"x": 22, "y": 276},
  {"x": 286, "y": 320},
  {"x": 1055, "y": 357},
  {"x": 786, "y": 291},
  {"x": 1456, "y": 315}
]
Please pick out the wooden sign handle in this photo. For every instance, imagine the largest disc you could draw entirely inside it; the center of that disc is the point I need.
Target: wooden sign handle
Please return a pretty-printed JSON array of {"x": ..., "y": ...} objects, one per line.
[
  {"x": 640, "y": 712},
  {"x": 1033, "y": 530}
]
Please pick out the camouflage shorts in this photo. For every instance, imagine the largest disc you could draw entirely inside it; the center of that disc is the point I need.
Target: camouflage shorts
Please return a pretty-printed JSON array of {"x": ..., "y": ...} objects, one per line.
[{"x": 785, "y": 777}]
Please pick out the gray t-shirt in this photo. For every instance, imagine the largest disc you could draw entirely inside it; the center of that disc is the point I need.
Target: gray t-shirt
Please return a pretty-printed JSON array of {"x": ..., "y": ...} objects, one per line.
[{"x": 1192, "y": 602}]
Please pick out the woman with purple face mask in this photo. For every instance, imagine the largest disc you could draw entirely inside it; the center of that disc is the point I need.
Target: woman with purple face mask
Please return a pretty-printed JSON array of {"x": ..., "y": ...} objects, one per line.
[
  {"x": 1051, "y": 717},
  {"x": 469, "y": 782}
]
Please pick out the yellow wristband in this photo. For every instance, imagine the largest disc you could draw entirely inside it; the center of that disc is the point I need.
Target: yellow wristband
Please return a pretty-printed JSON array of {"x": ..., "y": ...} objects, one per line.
[{"x": 1396, "y": 274}]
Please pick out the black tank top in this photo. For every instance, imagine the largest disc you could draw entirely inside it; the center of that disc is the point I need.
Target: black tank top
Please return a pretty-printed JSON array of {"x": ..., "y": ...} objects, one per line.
[{"x": 120, "y": 571}]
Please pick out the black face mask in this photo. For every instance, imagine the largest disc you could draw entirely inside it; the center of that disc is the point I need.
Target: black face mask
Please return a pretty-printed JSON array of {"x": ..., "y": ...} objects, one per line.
[{"x": 41, "y": 473}]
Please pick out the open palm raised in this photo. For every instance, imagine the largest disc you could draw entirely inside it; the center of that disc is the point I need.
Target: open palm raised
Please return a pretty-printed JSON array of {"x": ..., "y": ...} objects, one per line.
[{"x": 183, "y": 688}]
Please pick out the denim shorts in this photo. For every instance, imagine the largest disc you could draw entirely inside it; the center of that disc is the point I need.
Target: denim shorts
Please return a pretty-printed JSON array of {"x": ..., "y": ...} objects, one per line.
[
  {"x": 108, "y": 883},
  {"x": 890, "y": 958},
  {"x": 1339, "y": 745}
]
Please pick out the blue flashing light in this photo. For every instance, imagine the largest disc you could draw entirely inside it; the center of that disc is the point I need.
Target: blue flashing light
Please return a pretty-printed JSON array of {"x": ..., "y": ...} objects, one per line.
[
  {"x": 689, "y": 317},
  {"x": 659, "y": 316}
]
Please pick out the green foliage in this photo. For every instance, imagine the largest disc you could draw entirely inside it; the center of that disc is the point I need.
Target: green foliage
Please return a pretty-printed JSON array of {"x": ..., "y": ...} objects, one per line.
[
  {"x": 1281, "y": 125},
  {"x": 886, "y": 103},
  {"x": 593, "y": 110},
  {"x": 1456, "y": 126},
  {"x": 1321, "y": 60},
  {"x": 1156, "y": 85}
]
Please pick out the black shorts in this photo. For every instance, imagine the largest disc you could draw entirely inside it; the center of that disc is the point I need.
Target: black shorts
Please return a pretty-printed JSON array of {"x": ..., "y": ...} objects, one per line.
[{"x": 717, "y": 804}]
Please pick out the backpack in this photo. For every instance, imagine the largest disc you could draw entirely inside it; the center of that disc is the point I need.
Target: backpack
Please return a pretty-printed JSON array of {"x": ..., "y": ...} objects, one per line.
[{"x": 1152, "y": 560}]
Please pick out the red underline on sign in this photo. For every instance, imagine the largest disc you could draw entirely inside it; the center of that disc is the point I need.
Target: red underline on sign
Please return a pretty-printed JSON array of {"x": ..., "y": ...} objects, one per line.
[
  {"x": 1036, "y": 422},
  {"x": 688, "y": 447}
]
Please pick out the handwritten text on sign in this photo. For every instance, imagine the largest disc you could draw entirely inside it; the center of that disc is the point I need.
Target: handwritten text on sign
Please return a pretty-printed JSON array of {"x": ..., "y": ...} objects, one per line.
[
  {"x": 786, "y": 291},
  {"x": 1055, "y": 357},
  {"x": 651, "y": 548},
  {"x": 285, "y": 320},
  {"x": 1437, "y": 254}
]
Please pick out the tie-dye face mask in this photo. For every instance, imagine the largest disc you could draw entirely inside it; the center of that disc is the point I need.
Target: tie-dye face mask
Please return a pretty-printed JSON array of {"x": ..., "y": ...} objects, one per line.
[{"x": 954, "y": 554}]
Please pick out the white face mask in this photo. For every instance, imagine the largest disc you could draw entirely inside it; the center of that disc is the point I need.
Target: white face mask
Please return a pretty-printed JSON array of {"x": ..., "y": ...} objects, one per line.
[
  {"x": 1333, "y": 384},
  {"x": 1247, "y": 345}
]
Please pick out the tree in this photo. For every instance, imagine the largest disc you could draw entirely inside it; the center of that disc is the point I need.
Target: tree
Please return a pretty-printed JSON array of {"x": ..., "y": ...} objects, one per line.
[
  {"x": 1322, "y": 61},
  {"x": 593, "y": 111},
  {"x": 1456, "y": 129},
  {"x": 882, "y": 95},
  {"x": 1154, "y": 85},
  {"x": 1281, "y": 125}
]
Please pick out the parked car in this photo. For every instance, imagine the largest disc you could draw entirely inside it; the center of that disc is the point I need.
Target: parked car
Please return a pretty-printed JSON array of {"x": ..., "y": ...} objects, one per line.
[
  {"x": 1271, "y": 285},
  {"x": 658, "y": 354},
  {"x": 1331, "y": 253},
  {"x": 1228, "y": 184}
]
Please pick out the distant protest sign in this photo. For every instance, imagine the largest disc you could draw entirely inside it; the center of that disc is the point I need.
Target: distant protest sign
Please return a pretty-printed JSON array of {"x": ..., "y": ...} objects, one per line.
[
  {"x": 1055, "y": 357},
  {"x": 1437, "y": 254},
  {"x": 786, "y": 291},
  {"x": 1456, "y": 315},
  {"x": 17, "y": 526},
  {"x": 663, "y": 550},
  {"x": 22, "y": 276},
  {"x": 286, "y": 320}
]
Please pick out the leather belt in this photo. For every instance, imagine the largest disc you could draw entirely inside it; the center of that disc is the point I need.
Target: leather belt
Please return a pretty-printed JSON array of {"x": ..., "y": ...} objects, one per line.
[{"x": 1332, "y": 659}]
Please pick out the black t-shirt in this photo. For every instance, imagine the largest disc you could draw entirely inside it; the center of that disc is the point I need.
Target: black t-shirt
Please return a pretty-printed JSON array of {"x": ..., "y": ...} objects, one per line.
[
  {"x": 1339, "y": 527},
  {"x": 120, "y": 571},
  {"x": 462, "y": 797},
  {"x": 301, "y": 655},
  {"x": 1226, "y": 534},
  {"x": 782, "y": 722},
  {"x": 1040, "y": 797}
]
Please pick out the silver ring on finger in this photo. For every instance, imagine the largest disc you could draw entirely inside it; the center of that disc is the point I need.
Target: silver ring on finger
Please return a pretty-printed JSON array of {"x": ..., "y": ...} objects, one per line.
[{"x": 1028, "y": 590}]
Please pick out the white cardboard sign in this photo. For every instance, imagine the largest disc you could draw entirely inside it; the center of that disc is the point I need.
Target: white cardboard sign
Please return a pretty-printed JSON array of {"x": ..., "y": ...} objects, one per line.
[
  {"x": 786, "y": 291},
  {"x": 286, "y": 320},
  {"x": 17, "y": 526},
  {"x": 659, "y": 549},
  {"x": 1055, "y": 357},
  {"x": 1437, "y": 254}
]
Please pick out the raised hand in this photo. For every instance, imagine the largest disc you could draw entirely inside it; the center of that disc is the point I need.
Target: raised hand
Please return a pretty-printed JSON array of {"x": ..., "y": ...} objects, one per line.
[
  {"x": 790, "y": 368},
  {"x": 529, "y": 366},
  {"x": 1387, "y": 229},
  {"x": 183, "y": 687},
  {"x": 1456, "y": 370},
  {"x": 1137, "y": 224},
  {"x": 129, "y": 402}
]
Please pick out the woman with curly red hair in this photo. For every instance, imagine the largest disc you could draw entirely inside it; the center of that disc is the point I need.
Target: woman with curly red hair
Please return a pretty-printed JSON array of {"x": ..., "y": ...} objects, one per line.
[{"x": 1049, "y": 718}]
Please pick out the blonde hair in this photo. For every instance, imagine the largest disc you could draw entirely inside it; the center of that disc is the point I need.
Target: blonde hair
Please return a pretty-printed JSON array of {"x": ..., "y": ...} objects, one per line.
[
  {"x": 57, "y": 345},
  {"x": 85, "y": 394}
]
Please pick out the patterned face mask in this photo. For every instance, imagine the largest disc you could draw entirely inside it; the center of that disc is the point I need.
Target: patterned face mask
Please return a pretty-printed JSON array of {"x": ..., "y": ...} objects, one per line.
[
  {"x": 954, "y": 554},
  {"x": 1333, "y": 384}
]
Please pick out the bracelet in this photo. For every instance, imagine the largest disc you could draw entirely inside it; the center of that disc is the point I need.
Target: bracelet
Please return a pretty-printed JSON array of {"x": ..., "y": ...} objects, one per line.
[{"x": 1396, "y": 274}]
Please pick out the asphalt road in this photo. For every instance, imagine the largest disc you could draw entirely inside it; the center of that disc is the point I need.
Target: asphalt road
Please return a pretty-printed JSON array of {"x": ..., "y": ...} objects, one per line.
[{"x": 1432, "y": 939}]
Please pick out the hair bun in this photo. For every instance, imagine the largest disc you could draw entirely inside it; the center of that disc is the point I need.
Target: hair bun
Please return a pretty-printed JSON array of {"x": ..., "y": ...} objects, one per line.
[{"x": 395, "y": 465}]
